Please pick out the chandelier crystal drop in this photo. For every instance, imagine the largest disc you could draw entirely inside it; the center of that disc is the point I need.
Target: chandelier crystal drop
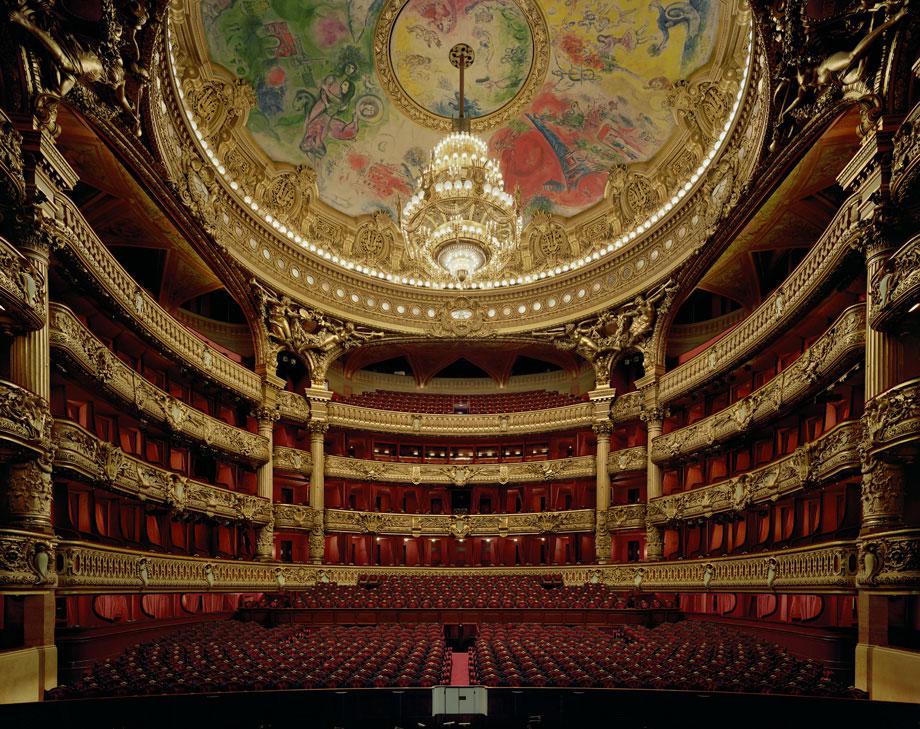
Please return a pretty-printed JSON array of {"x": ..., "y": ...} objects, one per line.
[{"x": 460, "y": 220}]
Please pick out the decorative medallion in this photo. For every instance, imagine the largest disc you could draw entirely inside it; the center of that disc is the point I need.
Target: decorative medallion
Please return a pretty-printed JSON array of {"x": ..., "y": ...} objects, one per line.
[{"x": 509, "y": 37}]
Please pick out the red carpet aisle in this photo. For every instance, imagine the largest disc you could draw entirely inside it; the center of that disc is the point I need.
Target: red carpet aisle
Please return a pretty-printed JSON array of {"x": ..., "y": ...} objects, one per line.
[{"x": 460, "y": 669}]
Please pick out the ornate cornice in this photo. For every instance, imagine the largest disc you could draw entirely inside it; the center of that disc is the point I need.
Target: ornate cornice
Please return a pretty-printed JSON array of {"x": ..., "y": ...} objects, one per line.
[
  {"x": 459, "y": 525},
  {"x": 808, "y": 466},
  {"x": 22, "y": 290},
  {"x": 80, "y": 245},
  {"x": 69, "y": 337},
  {"x": 25, "y": 419},
  {"x": 896, "y": 286},
  {"x": 893, "y": 420},
  {"x": 778, "y": 311},
  {"x": 97, "y": 569},
  {"x": 80, "y": 452},
  {"x": 833, "y": 351},
  {"x": 353, "y": 417},
  {"x": 628, "y": 517},
  {"x": 890, "y": 560}
]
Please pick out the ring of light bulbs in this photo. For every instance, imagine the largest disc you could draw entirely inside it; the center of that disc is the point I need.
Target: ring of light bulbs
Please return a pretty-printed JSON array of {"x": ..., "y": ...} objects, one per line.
[{"x": 501, "y": 198}]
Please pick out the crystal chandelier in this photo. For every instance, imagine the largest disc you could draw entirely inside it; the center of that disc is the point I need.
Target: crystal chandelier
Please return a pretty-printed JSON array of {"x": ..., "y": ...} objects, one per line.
[{"x": 460, "y": 221}]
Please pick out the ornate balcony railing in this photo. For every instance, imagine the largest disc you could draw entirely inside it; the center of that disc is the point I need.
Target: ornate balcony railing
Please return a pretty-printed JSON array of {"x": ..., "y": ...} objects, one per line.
[
  {"x": 25, "y": 420},
  {"x": 809, "y": 465},
  {"x": 22, "y": 289},
  {"x": 626, "y": 407},
  {"x": 890, "y": 560},
  {"x": 293, "y": 407},
  {"x": 569, "y": 417},
  {"x": 896, "y": 286},
  {"x": 893, "y": 419},
  {"x": 80, "y": 452},
  {"x": 776, "y": 313},
  {"x": 459, "y": 525},
  {"x": 71, "y": 338},
  {"x": 83, "y": 247},
  {"x": 626, "y": 517},
  {"x": 628, "y": 459},
  {"x": 460, "y": 474},
  {"x": 906, "y": 152},
  {"x": 835, "y": 349},
  {"x": 93, "y": 568}
]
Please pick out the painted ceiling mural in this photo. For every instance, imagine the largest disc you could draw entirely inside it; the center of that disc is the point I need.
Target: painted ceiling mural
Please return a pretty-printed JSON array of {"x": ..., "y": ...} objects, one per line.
[{"x": 597, "y": 99}]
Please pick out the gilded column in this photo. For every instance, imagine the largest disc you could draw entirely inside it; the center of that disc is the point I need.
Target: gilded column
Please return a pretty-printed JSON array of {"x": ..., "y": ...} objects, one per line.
[
  {"x": 30, "y": 352},
  {"x": 653, "y": 418},
  {"x": 265, "y": 539},
  {"x": 884, "y": 352},
  {"x": 317, "y": 490},
  {"x": 602, "y": 498}
]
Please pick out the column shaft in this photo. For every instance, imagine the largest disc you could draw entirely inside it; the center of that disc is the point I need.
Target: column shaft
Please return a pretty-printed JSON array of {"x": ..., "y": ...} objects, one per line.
[{"x": 602, "y": 496}]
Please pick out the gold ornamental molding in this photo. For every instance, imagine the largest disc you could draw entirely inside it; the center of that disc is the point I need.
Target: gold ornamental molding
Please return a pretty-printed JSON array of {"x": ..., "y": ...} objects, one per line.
[
  {"x": 827, "y": 568},
  {"x": 777, "y": 313},
  {"x": 296, "y": 517},
  {"x": 890, "y": 561},
  {"x": 69, "y": 337},
  {"x": 81, "y": 453},
  {"x": 81, "y": 246},
  {"x": 294, "y": 459},
  {"x": 461, "y": 474},
  {"x": 628, "y": 459},
  {"x": 568, "y": 417},
  {"x": 833, "y": 351},
  {"x": 893, "y": 420},
  {"x": 896, "y": 286},
  {"x": 293, "y": 407},
  {"x": 26, "y": 560},
  {"x": 591, "y": 283},
  {"x": 627, "y": 517},
  {"x": 458, "y": 525},
  {"x": 22, "y": 290},
  {"x": 906, "y": 153},
  {"x": 809, "y": 465},
  {"x": 25, "y": 419}
]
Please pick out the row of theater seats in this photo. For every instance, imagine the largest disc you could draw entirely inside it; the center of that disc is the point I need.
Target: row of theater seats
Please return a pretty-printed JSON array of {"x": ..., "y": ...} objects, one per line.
[
  {"x": 473, "y": 591},
  {"x": 505, "y": 402},
  {"x": 688, "y": 655},
  {"x": 235, "y": 656}
]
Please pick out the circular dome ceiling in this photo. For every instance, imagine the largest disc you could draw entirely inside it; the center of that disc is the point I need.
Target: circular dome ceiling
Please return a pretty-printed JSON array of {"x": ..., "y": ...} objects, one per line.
[{"x": 361, "y": 90}]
